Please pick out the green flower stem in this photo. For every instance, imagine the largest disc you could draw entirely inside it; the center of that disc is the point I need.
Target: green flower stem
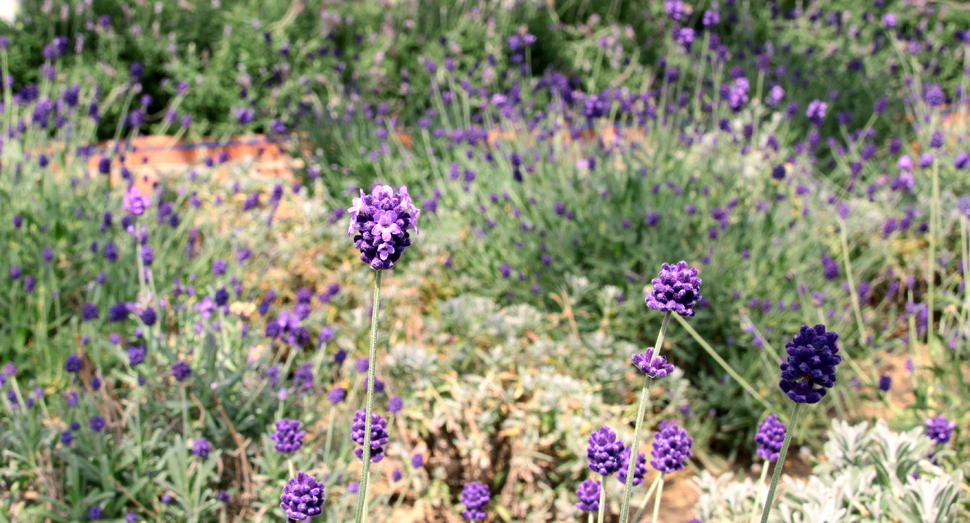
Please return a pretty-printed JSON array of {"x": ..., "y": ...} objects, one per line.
[
  {"x": 326, "y": 448},
  {"x": 761, "y": 486},
  {"x": 935, "y": 230},
  {"x": 602, "y": 511},
  {"x": 368, "y": 411},
  {"x": 656, "y": 501},
  {"x": 717, "y": 357},
  {"x": 634, "y": 450},
  {"x": 646, "y": 498},
  {"x": 853, "y": 292},
  {"x": 780, "y": 463}
]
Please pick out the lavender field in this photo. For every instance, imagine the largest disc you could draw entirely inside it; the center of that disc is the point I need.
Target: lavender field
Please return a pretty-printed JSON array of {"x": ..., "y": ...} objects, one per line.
[{"x": 430, "y": 261}]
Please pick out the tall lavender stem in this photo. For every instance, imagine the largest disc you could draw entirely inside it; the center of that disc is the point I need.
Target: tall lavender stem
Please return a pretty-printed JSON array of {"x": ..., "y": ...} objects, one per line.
[
  {"x": 360, "y": 514},
  {"x": 644, "y": 399},
  {"x": 780, "y": 463}
]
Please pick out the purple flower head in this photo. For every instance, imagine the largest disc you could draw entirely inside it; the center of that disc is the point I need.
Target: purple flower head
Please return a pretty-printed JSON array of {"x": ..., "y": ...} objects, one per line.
[
  {"x": 201, "y": 447},
  {"x": 378, "y": 435},
  {"x": 417, "y": 461},
  {"x": 885, "y": 382},
  {"x": 474, "y": 496},
  {"x": 934, "y": 96},
  {"x": 181, "y": 370},
  {"x": 379, "y": 223},
  {"x": 675, "y": 9},
  {"x": 95, "y": 513},
  {"x": 136, "y": 355},
  {"x": 336, "y": 395},
  {"x": 134, "y": 202},
  {"x": 302, "y": 497},
  {"x": 97, "y": 423},
  {"x": 362, "y": 365},
  {"x": 89, "y": 311},
  {"x": 73, "y": 364},
  {"x": 639, "y": 470},
  {"x": 218, "y": 266},
  {"x": 677, "y": 289},
  {"x": 810, "y": 368},
  {"x": 395, "y": 404},
  {"x": 939, "y": 429},
  {"x": 288, "y": 436},
  {"x": 889, "y": 20},
  {"x": 816, "y": 111},
  {"x": 67, "y": 437},
  {"x": 671, "y": 447},
  {"x": 653, "y": 366},
  {"x": 962, "y": 160},
  {"x": 711, "y": 18},
  {"x": 770, "y": 436},
  {"x": 936, "y": 140},
  {"x": 604, "y": 451},
  {"x": 905, "y": 163},
  {"x": 589, "y": 495}
]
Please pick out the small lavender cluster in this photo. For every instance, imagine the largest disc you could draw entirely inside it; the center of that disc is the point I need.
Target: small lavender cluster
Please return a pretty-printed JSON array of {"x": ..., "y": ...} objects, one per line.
[
  {"x": 671, "y": 447},
  {"x": 770, "y": 437},
  {"x": 939, "y": 429},
  {"x": 653, "y": 366},
  {"x": 639, "y": 471},
  {"x": 288, "y": 436},
  {"x": 302, "y": 497},
  {"x": 605, "y": 451},
  {"x": 380, "y": 222},
  {"x": 676, "y": 289},
  {"x": 378, "y": 438},
  {"x": 475, "y": 496},
  {"x": 809, "y": 371},
  {"x": 589, "y": 495}
]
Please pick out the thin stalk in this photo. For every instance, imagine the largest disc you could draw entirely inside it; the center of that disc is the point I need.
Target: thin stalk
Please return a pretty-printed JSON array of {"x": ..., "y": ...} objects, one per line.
[
  {"x": 368, "y": 411},
  {"x": 404, "y": 492},
  {"x": 727, "y": 368},
  {"x": 761, "y": 486},
  {"x": 326, "y": 448},
  {"x": 602, "y": 511},
  {"x": 780, "y": 463},
  {"x": 853, "y": 292},
  {"x": 656, "y": 500},
  {"x": 644, "y": 399},
  {"x": 646, "y": 499},
  {"x": 931, "y": 276}
]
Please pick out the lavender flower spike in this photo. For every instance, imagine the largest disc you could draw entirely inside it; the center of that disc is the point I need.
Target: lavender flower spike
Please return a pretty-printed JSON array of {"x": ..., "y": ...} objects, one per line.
[
  {"x": 589, "y": 495},
  {"x": 380, "y": 222},
  {"x": 604, "y": 451},
  {"x": 475, "y": 496},
  {"x": 671, "y": 447},
  {"x": 653, "y": 366},
  {"x": 379, "y": 435},
  {"x": 302, "y": 498},
  {"x": 770, "y": 436},
  {"x": 939, "y": 429},
  {"x": 676, "y": 289},
  {"x": 809, "y": 370},
  {"x": 288, "y": 436}
]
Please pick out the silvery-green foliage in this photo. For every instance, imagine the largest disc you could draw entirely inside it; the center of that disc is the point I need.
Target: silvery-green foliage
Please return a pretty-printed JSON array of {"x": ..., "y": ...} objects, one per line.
[{"x": 866, "y": 475}]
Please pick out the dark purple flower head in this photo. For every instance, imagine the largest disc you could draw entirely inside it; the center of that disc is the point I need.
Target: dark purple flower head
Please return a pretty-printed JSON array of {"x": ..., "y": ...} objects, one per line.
[
  {"x": 671, "y": 447},
  {"x": 380, "y": 222},
  {"x": 589, "y": 495},
  {"x": 67, "y": 437},
  {"x": 934, "y": 96},
  {"x": 201, "y": 447},
  {"x": 362, "y": 365},
  {"x": 770, "y": 436},
  {"x": 95, "y": 513},
  {"x": 378, "y": 435},
  {"x": 936, "y": 140},
  {"x": 288, "y": 436},
  {"x": 136, "y": 355},
  {"x": 218, "y": 266},
  {"x": 810, "y": 369},
  {"x": 73, "y": 364},
  {"x": 336, "y": 395},
  {"x": 939, "y": 429},
  {"x": 677, "y": 289},
  {"x": 653, "y": 366},
  {"x": 639, "y": 470},
  {"x": 417, "y": 461},
  {"x": 97, "y": 423},
  {"x": 181, "y": 370},
  {"x": 302, "y": 497},
  {"x": 885, "y": 382},
  {"x": 962, "y": 160},
  {"x": 89, "y": 312},
  {"x": 395, "y": 404},
  {"x": 604, "y": 451},
  {"x": 474, "y": 496}
]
